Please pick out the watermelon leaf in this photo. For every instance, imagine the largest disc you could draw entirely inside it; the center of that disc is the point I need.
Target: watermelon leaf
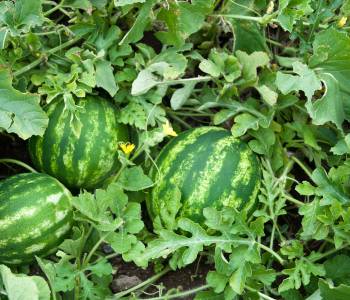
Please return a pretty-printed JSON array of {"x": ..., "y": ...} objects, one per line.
[
  {"x": 305, "y": 80},
  {"x": 127, "y": 2},
  {"x": 105, "y": 78},
  {"x": 115, "y": 222},
  {"x": 22, "y": 15},
  {"x": 290, "y": 12},
  {"x": 337, "y": 268},
  {"x": 182, "y": 20},
  {"x": 133, "y": 179},
  {"x": 23, "y": 287},
  {"x": 136, "y": 31},
  {"x": 330, "y": 292},
  {"x": 126, "y": 217},
  {"x": 20, "y": 113},
  {"x": 227, "y": 232}
]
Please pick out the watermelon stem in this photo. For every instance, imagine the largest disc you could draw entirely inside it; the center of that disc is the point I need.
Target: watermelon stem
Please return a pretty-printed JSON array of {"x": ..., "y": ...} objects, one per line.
[
  {"x": 263, "y": 296},
  {"x": 303, "y": 166},
  {"x": 44, "y": 56},
  {"x": 186, "y": 80},
  {"x": 176, "y": 118},
  {"x": 19, "y": 163},
  {"x": 330, "y": 252},
  {"x": 181, "y": 294},
  {"x": 293, "y": 200},
  {"x": 56, "y": 7},
  {"x": 142, "y": 284},
  {"x": 94, "y": 249},
  {"x": 188, "y": 114},
  {"x": 264, "y": 20},
  {"x": 268, "y": 249}
]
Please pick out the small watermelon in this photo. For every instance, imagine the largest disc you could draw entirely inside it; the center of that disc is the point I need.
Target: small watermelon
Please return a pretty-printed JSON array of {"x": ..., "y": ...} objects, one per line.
[
  {"x": 85, "y": 155},
  {"x": 35, "y": 216},
  {"x": 210, "y": 167}
]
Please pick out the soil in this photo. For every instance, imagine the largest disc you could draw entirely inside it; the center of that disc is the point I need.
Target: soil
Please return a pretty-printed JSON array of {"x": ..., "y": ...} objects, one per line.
[
  {"x": 15, "y": 148},
  {"x": 128, "y": 274}
]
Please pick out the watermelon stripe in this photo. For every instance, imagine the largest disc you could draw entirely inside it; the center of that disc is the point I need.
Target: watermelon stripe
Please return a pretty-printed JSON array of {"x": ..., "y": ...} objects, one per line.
[
  {"x": 66, "y": 146},
  {"x": 218, "y": 170},
  {"x": 35, "y": 216},
  {"x": 24, "y": 216},
  {"x": 221, "y": 187},
  {"x": 20, "y": 194},
  {"x": 111, "y": 146},
  {"x": 95, "y": 149},
  {"x": 210, "y": 167},
  {"x": 195, "y": 185},
  {"x": 49, "y": 140},
  {"x": 57, "y": 149},
  {"x": 48, "y": 236},
  {"x": 37, "y": 151},
  {"x": 183, "y": 141},
  {"x": 190, "y": 156},
  {"x": 183, "y": 157}
]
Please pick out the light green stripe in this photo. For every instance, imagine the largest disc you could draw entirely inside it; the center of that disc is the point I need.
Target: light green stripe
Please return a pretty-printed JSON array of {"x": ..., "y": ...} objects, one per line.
[
  {"x": 48, "y": 146},
  {"x": 177, "y": 179},
  {"x": 242, "y": 176},
  {"x": 166, "y": 164},
  {"x": 108, "y": 153},
  {"x": 35, "y": 232},
  {"x": 244, "y": 170},
  {"x": 252, "y": 199},
  {"x": 212, "y": 169},
  {"x": 34, "y": 248},
  {"x": 57, "y": 136},
  {"x": 62, "y": 230},
  {"x": 25, "y": 212},
  {"x": 37, "y": 236},
  {"x": 92, "y": 134}
]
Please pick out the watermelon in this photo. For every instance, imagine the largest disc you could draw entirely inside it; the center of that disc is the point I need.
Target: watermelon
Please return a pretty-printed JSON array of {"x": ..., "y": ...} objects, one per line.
[
  {"x": 80, "y": 156},
  {"x": 35, "y": 216},
  {"x": 210, "y": 168}
]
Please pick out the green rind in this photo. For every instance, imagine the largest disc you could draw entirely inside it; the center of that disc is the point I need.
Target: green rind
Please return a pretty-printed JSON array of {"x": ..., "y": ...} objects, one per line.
[
  {"x": 84, "y": 159},
  {"x": 35, "y": 216},
  {"x": 210, "y": 167}
]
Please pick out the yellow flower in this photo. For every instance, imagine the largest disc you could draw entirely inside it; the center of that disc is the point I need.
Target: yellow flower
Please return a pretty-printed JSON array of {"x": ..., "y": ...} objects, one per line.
[
  {"x": 168, "y": 130},
  {"x": 127, "y": 147},
  {"x": 342, "y": 21}
]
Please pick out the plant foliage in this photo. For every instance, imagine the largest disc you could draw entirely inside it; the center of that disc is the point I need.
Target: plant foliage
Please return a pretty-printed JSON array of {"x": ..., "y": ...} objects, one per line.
[{"x": 274, "y": 73}]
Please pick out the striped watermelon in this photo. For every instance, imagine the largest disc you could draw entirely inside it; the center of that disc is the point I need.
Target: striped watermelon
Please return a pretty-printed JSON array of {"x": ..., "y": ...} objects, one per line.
[
  {"x": 80, "y": 159},
  {"x": 210, "y": 167},
  {"x": 35, "y": 216}
]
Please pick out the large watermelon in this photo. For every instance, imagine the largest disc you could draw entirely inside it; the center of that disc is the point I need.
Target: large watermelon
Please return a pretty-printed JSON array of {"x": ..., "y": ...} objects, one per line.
[
  {"x": 35, "y": 216},
  {"x": 210, "y": 167},
  {"x": 85, "y": 155}
]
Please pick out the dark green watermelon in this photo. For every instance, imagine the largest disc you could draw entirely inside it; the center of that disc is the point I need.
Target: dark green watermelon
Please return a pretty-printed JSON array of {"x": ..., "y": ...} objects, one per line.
[
  {"x": 80, "y": 157},
  {"x": 210, "y": 167},
  {"x": 35, "y": 216}
]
